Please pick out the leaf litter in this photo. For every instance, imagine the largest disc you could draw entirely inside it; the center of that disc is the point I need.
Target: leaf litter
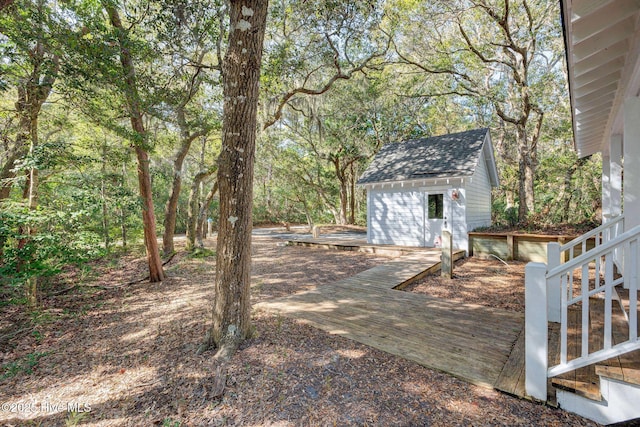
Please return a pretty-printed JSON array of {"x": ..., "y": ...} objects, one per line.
[{"x": 127, "y": 356}]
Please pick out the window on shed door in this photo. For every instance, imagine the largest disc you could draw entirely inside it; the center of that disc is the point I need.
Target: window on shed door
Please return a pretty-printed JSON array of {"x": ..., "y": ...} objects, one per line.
[{"x": 436, "y": 206}]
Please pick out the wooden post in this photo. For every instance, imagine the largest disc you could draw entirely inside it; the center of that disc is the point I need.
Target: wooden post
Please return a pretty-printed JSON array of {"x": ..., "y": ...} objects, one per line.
[
  {"x": 563, "y": 255},
  {"x": 536, "y": 333},
  {"x": 447, "y": 254},
  {"x": 511, "y": 254},
  {"x": 553, "y": 289}
]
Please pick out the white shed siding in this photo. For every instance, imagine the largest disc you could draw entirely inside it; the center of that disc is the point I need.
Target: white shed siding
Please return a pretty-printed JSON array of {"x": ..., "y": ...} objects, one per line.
[
  {"x": 396, "y": 217},
  {"x": 458, "y": 226},
  {"x": 477, "y": 194}
]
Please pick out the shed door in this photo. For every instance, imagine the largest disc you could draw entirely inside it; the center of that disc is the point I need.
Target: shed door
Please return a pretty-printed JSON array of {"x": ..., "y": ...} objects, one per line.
[
  {"x": 397, "y": 218},
  {"x": 434, "y": 217}
]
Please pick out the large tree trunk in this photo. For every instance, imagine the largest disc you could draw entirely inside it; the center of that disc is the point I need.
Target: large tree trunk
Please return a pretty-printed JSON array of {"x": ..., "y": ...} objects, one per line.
[
  {"x": 527, "y": 159},
  {"x": 241, "y": 77},
  {"x": 156, "y": 273}
]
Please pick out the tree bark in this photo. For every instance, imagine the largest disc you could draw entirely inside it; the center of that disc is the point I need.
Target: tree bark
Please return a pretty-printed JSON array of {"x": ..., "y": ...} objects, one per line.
[
  {"x": 202, "y": 215},
  {"x": 32, "y": 93},
  {"x": 186, "y": 138},
  {"x": 6, "y": 173},
  {"x": 193, "y": 209},
  {"x": 103, "y": 197},
  {"x": 156, "y": 273},
  {"x": 123, "y": 214},
  {"x": 241, "y": 77},
  {"x": 352, "y": 200},
  {"x": 171, "y": 208}
]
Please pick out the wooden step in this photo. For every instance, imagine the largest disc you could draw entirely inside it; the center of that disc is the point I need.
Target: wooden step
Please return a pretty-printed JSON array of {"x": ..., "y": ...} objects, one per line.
[
  {"x": 586, "y": 381},
  {"x": 627, "y": 366}
]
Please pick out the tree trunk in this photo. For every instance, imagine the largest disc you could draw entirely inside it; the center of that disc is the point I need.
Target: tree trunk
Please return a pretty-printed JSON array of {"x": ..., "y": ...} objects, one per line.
[
  {"x": 352, "y": 200},
  {"x": 123, "y": 214},
  {"x": 6, "y": 173},
  {"x": 193, "y": 209},
  {"x": 192, "y": 217},
  {"x": 241, "y": 77},
  {"x": 156, "y": 273},
  {"x": 171, "y": 209},
  {"x": 32, "y": 196},
  {"x": 30, "y": 99},
  {"x": 202, "y": 215},
  {"x": 526, "y": 169},
  {"x": 342, "y": 180},
  {"x": 103, "y": 197}
]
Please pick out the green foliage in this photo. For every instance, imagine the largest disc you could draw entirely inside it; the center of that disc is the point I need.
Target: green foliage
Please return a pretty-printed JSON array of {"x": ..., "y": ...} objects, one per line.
[
  {"x": 168, "y": 422},
  {"x": 23, "y": 365},
  {"x": 38, "y": 244},
  {"x": 202, "y": 253}
]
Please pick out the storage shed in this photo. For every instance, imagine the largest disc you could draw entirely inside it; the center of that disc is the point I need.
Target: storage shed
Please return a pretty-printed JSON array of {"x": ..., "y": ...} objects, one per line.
[{"x": 417, "y": 188}]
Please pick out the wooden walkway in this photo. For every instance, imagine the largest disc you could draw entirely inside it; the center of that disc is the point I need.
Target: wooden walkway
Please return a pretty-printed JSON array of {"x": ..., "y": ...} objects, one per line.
[
  {"x": 361, "y": 245},
  {"x": 468, "y": 341}
]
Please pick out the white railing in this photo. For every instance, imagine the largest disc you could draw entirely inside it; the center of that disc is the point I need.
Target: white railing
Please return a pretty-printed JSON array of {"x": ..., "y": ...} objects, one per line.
[
  {"x": 602, "y": 234},
  {"x": 590, "y": 274}
]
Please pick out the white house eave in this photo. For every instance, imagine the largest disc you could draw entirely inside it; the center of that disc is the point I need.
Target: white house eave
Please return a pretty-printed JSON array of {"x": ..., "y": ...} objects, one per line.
[
  {"x": 454, "y": 181},
  {"x": 491, "y": 161},
  {"x": 603, "y": 44}
]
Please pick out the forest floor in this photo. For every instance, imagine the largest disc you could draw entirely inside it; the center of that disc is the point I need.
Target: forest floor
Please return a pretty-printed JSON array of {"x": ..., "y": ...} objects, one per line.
[{"x": 104, "y": 355}]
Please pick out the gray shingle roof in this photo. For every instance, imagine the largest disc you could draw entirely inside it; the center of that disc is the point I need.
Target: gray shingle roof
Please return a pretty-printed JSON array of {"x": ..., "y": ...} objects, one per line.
[{"x": 452, "y": 155}]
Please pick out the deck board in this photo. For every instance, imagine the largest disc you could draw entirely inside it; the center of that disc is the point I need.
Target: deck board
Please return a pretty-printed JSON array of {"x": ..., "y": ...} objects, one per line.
[
  {"x": 460, "y": 339},
  {"x": 511, "y": 378}
]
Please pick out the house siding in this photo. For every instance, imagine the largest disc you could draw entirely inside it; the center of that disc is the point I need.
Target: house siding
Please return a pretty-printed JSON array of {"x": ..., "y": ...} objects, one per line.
[
  {"x": 477, "y": 193},
  {"x": 396, "y": 217},
  {"x": 459, "y": 227}
]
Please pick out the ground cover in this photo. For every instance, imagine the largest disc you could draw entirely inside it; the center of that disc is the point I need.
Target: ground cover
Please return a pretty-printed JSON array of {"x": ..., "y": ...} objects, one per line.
[{"x": 110, "y": 355}]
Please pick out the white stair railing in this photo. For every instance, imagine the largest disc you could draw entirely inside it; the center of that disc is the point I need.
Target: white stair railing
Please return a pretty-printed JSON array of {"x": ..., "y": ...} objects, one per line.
[
  {"x": 596, "y": 271},
  {"x": 602, "y": 234}
]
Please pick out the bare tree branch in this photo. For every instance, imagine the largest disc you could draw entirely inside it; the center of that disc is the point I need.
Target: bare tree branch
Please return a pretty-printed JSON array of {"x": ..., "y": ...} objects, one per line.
[{"x": 338, "y": 75}]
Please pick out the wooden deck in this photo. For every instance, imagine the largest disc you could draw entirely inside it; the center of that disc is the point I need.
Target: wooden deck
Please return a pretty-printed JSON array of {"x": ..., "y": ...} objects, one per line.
[
  {"x": 468, "y": 341},
  {"x": 361, "y": 245}
]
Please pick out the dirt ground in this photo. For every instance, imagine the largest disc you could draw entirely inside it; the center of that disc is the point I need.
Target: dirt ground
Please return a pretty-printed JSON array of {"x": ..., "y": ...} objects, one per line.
[
  {"x": 126, "y": 356},
  {"x": 489, "y": 282}
]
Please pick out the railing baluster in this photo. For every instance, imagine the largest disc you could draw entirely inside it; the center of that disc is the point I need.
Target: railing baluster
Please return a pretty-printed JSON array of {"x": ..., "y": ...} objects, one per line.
[
  {"x": 585, "y": 310},
  {"x": 596, "y": 281},
  {"x": 633, "y": 291},
  {"x": 563, "y": 320},
  {"x": 608, "y": 278},
  {"x": 570, "y": 288}
]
